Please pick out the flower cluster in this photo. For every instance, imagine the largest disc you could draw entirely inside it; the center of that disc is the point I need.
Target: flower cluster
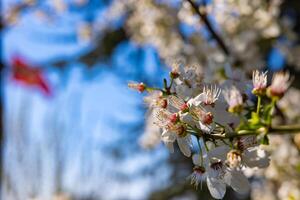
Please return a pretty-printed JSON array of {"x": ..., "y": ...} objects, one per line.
[{"x": 221, "y": 120}]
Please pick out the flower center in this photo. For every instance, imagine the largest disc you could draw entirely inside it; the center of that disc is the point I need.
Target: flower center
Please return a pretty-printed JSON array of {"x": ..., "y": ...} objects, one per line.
[
  {"x": 199, "y": 169},
  {"x": 174, "y": 118},
  {"x": 234, "y": 158},
  {"x": 218, "y": 169},
  {"x": 163, "y": 103},
  {"x": 207, "y": 118},
  {"x": 184, "y": 107}
]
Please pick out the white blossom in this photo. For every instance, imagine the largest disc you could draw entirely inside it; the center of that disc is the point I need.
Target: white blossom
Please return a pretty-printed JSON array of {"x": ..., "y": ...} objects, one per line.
[
  {"x": 234, "y": 99},
  {"x": 259, "y": 80},
  {"x": 208, "y": 97},
  {"x": 280, "y": 83}
]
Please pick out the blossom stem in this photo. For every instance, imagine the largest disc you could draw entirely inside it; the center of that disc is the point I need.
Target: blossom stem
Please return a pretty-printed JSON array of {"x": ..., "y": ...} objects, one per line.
[
  {"x": 171, "y": 84},
  {"x": 269, "y": 119},
  {"x": 275, "y": 130},
  {"x": 206, "y": 147},
  {"x": 150, "y": 89},
  {"x": 258, "y": 105},
  {"x": 285, "y": 129}
]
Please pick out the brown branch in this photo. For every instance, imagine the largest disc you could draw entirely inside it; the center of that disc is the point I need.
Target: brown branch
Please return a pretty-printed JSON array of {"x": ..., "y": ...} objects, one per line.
[
  {"x": 203, "y": 17},
  {"x": 275, "y": 130}
]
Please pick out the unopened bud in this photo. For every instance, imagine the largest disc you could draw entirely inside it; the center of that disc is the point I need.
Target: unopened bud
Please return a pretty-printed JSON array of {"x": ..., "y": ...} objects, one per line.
[
  {"x": 141, "y": 87},
  {"x": 259, "y": 83},
  {"x": 174, "y": 74},
  {"x": 280, "y": 83},
  {"x": 234, "y": 99}
]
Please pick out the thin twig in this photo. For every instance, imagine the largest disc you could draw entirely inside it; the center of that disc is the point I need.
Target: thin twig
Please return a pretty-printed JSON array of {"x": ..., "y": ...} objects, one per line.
[
  {"x": 275, "y": 130},
  {"x": 203, "y": 17}
]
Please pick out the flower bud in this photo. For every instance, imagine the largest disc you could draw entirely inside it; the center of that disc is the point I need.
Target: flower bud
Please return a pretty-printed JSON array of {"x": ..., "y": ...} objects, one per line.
[
  {"x": 259, "y": 83},
  {"x": 280, "y": 83},
  {"x": 234, "y": 100},
  {"x": 141, "y": 87},
  {"x": 174, "y": 74}
]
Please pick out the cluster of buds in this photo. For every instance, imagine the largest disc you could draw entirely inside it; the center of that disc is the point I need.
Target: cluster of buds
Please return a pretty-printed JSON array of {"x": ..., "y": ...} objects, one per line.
[
  {"x": 280, "y": 83},
  {"x": 215, "y": 116}
]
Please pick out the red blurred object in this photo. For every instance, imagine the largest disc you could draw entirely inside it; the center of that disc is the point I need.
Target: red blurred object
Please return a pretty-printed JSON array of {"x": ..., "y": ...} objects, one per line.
[{"x": 29, "y": 75}]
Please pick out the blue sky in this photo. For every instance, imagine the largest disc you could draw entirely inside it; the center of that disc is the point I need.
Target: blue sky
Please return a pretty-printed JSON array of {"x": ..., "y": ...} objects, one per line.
[{"x": 91, "y": 113}]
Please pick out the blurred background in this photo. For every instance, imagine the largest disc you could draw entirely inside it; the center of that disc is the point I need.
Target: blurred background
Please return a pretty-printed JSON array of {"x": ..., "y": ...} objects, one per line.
[{"x": 71, "y": 129}]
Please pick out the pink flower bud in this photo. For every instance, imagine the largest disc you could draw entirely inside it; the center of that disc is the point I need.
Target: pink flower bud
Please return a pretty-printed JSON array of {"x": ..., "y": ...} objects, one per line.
[
  {"x": 280, "y": 83},
  {"x": 137, "y": 86}
]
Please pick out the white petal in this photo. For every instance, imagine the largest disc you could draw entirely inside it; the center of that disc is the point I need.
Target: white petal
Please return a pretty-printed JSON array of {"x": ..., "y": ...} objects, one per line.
[
  {"x": 183, "y": 91},
  {"x": 216, "y": 187},
  {"x": 185, "y": 145},
  {"x": 205, "y": 128},
  {"x": 197, "y": 100},
  {"x": 238, "y": 181},
  {"x": 187, "y": 118},
  {"x": 255, "y": 158},
  {"x": 168, "y": 136},
  {"x": 219, "y": 152}
]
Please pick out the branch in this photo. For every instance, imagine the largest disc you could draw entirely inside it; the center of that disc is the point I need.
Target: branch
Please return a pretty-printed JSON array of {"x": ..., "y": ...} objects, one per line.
[
  {"x": 276, "y": 130},
  {"x": 203, "y": 17},
  {"x": 285, "y": 129}
]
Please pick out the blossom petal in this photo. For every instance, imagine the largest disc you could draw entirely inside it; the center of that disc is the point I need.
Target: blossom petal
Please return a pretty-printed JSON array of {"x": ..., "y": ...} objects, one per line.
[
  {"x": 238, "y": 181},
  {"x": 216, "y": 187},
  {"x": 183, "y": 91},
  {"x": 205, "y": 128},
  {"x": 168, "y": 136},
  {"x": 184, "y": 145},
  {"x": 219, "y": 152},
  {"x": 198, "y": 99},
  {"x": 256, "y": 158},
  {"x": 187, "y": 118}
]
